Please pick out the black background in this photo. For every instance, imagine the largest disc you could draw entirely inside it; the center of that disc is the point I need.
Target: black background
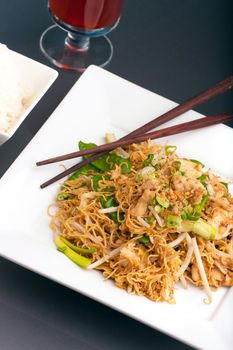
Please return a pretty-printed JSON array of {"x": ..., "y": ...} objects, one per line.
[{"x": 175, "y": 48}]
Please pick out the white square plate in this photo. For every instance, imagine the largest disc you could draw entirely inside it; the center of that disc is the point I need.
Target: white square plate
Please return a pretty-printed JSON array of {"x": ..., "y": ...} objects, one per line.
[
  {"x": 38, "y": 78},
  {"x": 101, "y": 102}
]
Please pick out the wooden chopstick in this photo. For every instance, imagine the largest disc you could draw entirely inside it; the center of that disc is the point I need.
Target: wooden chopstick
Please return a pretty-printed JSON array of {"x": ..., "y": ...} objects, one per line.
[
  {"x": 193, "y": 102},
  {"x": 192, "y": 125},
  {"x": 172, "y": 130}
]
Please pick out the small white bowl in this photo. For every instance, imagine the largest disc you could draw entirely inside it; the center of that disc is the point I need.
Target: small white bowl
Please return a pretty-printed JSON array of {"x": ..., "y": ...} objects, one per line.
[{"x": 39, "y": 77}]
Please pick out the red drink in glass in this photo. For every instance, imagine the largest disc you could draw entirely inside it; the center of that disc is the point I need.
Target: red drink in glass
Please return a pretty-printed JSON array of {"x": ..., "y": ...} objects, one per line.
[
  {"x": 78, "y": 37},
  {"x": 87, "y": 14}
]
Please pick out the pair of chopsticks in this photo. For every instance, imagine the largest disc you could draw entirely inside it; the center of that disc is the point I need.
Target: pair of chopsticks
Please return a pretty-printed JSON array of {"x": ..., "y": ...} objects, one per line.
[{"x": 140, "y": 134}]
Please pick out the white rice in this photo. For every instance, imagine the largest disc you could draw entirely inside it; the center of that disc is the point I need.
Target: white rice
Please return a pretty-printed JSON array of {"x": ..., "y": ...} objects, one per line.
[{"x": 13, "y": 91}]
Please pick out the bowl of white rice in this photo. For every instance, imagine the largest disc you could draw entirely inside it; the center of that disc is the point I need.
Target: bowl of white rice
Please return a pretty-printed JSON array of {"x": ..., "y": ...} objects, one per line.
[{"x": 23, "y": 82}]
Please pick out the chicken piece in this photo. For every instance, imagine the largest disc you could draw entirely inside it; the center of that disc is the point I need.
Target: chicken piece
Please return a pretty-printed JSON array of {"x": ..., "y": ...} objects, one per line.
[
  {"x": 222, "y": 222},
  {"x": 129, "y": 256},
  {"x": 222, "y": 202},
  {"x": 226, "y": 262},
  {"x": 223, "y": 271},
  {"x": 189, "y": 188},
  {"x": 142, "y": 204},
  {"x": 222, "y": 260},
  {"x": 151, "y": 184},
  {"x": 216, "y": 277},
  {"x": 191, "y": 169},
  {"x": 221, "y": 268}
]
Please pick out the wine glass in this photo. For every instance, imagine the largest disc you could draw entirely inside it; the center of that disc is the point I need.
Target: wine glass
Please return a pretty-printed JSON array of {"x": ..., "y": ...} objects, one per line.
[{"x": 78, "y": 37}]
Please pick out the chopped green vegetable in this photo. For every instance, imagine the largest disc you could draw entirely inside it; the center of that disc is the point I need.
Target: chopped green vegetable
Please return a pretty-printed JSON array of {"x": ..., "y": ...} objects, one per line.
[
  {"x": 199, "y": 207},
  {"x": 153, "y": 176},
  {"x": 187, "y": 215},
  {"x": 85, "y": 170},
  {"x": 144, "y": 239},
  {"x": 176, "y": 164},
  {"x": 197, "y": 162},
  {"x": 99, "y": 163},
  {"x": 148, "y": 160},
  {"x": 75, "y": 257},
  {"x": 113, "y": 216},
  {"x": 108, "y": 203},
  {"x": 170, "y": 149},
  {"x": 107, "y": 161},
  {"x": 97, "y": 178},
  {"x": 138, "y": 177},
  {"x": 125, "y": 164},
  {"x": 158, "y": 209},
  {"x": 157, "y": 166},
  {"x": 197, "y": 210},
  {"x": 225, "y": 184},
  {"x": 202, "y": 178},
  {"x": 204, "y": 229},
  {"x": 179, "y": 173},
  {"x": 163, "y": 202},
  {"x": 109, "y": 189},
  {"x": 149, "y": 220},
  {"x": 95, "y": 181},
  {"x": 173, "y": 221},
  {"x": 86, "y": 145},
  {"x": 63, "y": 196},
  {"x": 200, "y": 227},
  {"x": 75, "y": 248},
  {"x": 153, "y": 202}
]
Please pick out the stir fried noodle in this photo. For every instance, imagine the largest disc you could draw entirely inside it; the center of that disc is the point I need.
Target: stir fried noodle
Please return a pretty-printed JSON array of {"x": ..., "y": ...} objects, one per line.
[{"x": 148, "y": 218}]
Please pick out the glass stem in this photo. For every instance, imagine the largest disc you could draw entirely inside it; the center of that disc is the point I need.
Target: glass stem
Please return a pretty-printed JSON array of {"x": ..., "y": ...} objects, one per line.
[{"x": 77, "y": 42}]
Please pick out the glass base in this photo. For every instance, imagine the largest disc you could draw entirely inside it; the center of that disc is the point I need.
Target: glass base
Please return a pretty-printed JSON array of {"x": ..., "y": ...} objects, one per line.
[{"x": 75, "y": 52}]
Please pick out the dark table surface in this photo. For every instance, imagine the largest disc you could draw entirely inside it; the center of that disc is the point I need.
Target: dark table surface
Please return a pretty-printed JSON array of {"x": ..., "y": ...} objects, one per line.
[{"x": 174, "y": 48}]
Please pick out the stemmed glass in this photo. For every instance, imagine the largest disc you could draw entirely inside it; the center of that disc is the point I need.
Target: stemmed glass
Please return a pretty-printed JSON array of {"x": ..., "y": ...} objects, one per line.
[{"x": 78, "y": 37}]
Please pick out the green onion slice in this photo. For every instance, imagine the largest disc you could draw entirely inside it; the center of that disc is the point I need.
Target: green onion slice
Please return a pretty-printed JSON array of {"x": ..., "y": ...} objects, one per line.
[
  {"x": 163, "y": 202},
  {"x": 176, "y": 164},
  {"x": 77, "y": 249},
  {"x": 63, "y": 196},
  {"x": 148, "y": 160},
  {"x": 144, "y": 239},
  {"x": 170, "y": 149},
  {"x": 73, "y": 256},
  {"x": 197, "y": 162},
  {"x": 173, "y": 221}
]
